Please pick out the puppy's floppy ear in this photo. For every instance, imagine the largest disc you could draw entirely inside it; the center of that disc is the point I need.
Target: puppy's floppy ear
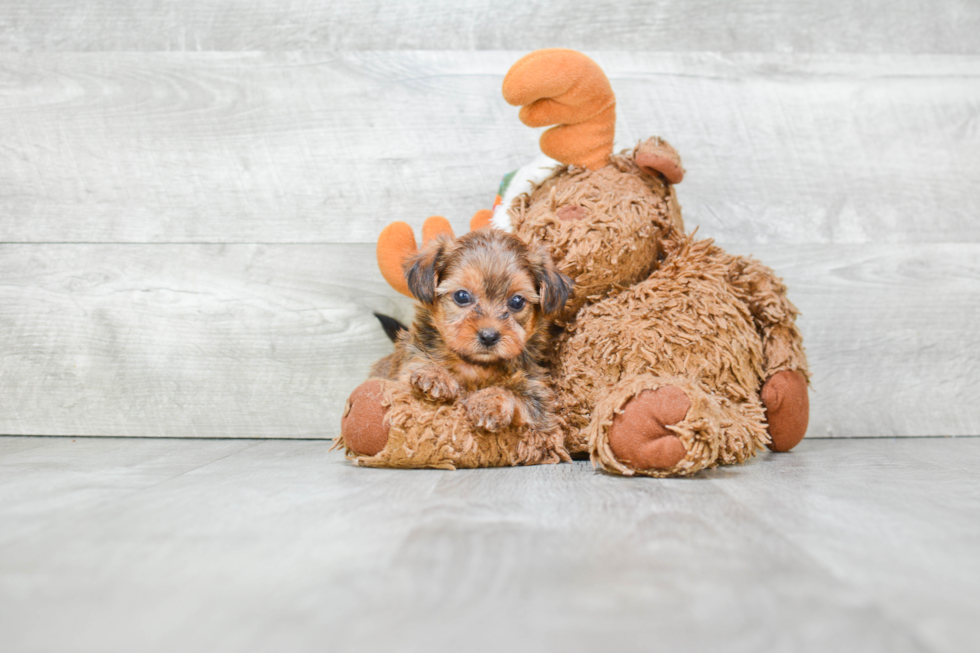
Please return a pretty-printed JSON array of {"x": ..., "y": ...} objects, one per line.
[
  {"x": 422, "y": 270},
  {"x": 554, "y": 288}
]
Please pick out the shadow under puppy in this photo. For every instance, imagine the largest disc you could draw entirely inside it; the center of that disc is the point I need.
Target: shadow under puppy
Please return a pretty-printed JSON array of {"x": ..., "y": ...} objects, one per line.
[{"x": 481, "y": 329}]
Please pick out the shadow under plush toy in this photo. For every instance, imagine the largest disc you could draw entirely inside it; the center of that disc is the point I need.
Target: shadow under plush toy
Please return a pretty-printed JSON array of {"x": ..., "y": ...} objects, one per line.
[{"x": 673, "y": 356}]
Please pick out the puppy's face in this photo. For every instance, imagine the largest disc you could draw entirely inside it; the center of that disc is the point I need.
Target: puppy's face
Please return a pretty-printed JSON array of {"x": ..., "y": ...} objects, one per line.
[{"x": 487, "y": 295}]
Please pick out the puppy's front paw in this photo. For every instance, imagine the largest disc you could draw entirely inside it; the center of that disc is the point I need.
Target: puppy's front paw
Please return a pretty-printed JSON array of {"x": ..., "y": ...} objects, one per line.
[
  {"x": 435, "y": 383},
  {"x": 491, "y": 409}
]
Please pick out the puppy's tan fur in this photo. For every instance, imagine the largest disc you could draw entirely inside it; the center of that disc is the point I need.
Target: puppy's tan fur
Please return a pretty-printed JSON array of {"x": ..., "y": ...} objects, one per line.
[{"x": 481, "y": 328}]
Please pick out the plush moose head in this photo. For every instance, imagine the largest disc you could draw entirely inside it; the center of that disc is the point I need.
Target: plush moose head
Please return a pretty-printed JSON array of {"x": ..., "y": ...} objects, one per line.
[{"x": 606, "y": 219}]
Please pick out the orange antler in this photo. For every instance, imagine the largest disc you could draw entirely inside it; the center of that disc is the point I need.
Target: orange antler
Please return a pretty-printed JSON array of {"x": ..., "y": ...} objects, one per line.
[
  {"x": 565, "y": 88},
  {"x": 396, "y": 243},
  {"x": 481, "y": 219}
]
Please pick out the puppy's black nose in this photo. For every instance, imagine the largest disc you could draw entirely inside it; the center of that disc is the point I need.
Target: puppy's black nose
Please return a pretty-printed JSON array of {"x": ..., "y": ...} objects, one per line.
[{"x": 488, "y": 337}]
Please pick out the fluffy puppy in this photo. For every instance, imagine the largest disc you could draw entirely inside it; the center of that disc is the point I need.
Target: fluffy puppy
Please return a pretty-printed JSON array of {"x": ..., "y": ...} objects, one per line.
[{"x": 481, "y": 328}]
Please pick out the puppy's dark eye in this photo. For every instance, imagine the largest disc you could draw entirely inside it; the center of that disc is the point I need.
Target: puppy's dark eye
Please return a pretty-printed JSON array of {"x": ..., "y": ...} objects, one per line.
[
  {"x": 516, "y": 302},
  {"x": 462, "y": 297}
]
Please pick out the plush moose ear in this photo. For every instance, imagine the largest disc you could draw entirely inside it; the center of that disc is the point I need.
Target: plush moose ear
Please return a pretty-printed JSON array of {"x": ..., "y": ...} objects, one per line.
[
  {"x": 422, "y": 270},
  {"x": 655, "y": 155},
  {"x": 554, "y": 288}
]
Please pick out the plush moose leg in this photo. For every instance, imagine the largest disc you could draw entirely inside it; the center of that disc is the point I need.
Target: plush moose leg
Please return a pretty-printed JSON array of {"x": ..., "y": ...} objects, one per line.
[
  {"x": 387, "y": 424},
  {"x": 785, "y": 390},
  {"x": 668, "y": 426},
  {"x": 787, "y": 409}
]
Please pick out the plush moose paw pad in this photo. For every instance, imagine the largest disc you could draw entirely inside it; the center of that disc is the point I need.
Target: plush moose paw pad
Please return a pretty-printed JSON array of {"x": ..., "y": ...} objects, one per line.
[
  {"x": 435, "y": 383},
  {"x": 787, "y": 409},
  {"x": 491, "y": 409},
  {"x": 657, "y": 155},
  {"x": 639, "y": 437},
  {"x": 363, "y": 424}
]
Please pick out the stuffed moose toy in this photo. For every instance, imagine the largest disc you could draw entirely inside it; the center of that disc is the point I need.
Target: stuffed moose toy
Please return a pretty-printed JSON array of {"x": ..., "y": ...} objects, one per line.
[{"x": 671, "y": 356}]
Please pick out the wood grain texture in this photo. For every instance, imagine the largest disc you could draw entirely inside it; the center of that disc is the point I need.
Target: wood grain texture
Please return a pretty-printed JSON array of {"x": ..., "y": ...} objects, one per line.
[
  {"x": 268, "y": 340},
  {"x": 878, "y": 522},
  {"x": 56, "y": 493},
  {"x": 126, "y": 545},
  {"x": 209, "y": 341},
  {"x": 912, "y": 26},
  {"x": 307, "y": 147}
]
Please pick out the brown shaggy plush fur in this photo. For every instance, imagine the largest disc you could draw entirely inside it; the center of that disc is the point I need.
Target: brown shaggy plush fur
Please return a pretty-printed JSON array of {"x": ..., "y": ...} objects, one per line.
[{"x": 424, "y": 433}]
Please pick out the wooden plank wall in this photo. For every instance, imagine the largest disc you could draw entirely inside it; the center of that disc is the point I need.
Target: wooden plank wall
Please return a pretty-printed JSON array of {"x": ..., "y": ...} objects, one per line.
[{"x": 190, "y": 191}]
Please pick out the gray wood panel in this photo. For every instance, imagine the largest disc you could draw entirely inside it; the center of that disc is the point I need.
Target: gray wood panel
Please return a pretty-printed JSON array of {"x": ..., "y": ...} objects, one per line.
[
  {"x": 10, "y": 444},
  {"x": 186, "y": 341},
  {"x": 268, "y": 340},
  {"x": 321, "y": 147},
  {"x": 906, "y": 26},
  {"x": 126, "y": 545}
]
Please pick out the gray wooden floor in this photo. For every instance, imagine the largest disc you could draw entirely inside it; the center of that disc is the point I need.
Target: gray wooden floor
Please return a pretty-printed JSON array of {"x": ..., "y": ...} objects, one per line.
[{"x": 129, "y": 544}]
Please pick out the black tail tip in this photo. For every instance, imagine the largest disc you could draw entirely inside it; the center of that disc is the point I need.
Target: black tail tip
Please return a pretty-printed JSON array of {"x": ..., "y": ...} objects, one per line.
[{"x": 391, "y": 326}]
